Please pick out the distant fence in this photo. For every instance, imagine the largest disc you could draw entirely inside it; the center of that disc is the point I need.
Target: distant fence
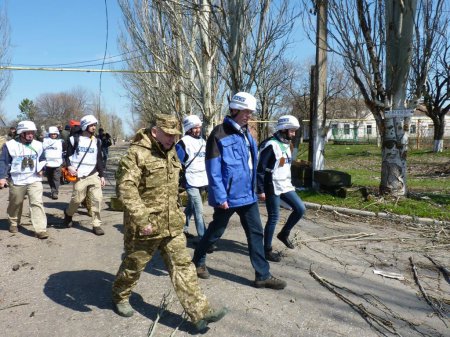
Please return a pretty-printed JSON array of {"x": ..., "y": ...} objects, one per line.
[{"x": 362, "y": 135}]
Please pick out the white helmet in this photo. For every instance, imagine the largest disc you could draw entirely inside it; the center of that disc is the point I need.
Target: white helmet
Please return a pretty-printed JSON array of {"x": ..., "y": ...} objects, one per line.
[
  {"x": 53, "y": 129},
  {"x": 190, "y": 122},
  {"x": 287, "y": 122},
  {"x": 243, "y": 101},
  {"x": 26, "y": 126},
  {"x": 87, "y": 120}
]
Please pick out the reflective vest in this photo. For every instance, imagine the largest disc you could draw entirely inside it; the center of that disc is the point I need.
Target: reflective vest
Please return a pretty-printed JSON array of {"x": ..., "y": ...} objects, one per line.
[
  {"x": 196, "y": 172},
  {"x": 90, "y": 160},
  {"x": 25, "y": 161},
  {"x": 53, "y": 152},
  {"x": 281, "y": 174}
]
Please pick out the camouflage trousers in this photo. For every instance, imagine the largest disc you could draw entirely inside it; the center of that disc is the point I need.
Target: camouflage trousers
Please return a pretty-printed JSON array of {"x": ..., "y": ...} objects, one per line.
[
  {"x": 87, "y": 188},
  {"x": 178, "y": 262}
]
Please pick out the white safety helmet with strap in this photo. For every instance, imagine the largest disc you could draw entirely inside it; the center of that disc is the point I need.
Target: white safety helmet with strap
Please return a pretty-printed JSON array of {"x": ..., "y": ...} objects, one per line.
[
  {"x": 287, "y": 122},
  {"x": 26, "y": 126},
  {"x": 190, "y": 122},
  {"x": 86, "y": 121},
  {"x": 243, "y": 101},
  {"x": 53, "y": 129}
]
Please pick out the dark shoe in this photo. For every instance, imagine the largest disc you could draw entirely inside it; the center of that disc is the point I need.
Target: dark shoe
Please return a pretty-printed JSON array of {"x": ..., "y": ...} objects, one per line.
[
  {"x": 273, "y": 257},
  {"x": 189, "y": 235},
  {"x": 13, "y": 229},
  {"x": 202, "y": 272},
  {"x": 213, "y": 316},
  {"x": 123, "y": 309},
  {"x": 271, "y": 282},
  {"x": 42, "y": 235},
  {"x": 211, "y": 249},
  {"x": 55, "y": 195},
  {"x": 67, "y": 220},
  {"x": 285, "y": 239},
  {"x": 98, "y": 231}
]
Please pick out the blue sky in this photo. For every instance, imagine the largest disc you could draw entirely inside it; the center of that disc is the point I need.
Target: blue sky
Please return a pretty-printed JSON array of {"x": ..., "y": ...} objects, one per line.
[{"x": 48, "y": 32}]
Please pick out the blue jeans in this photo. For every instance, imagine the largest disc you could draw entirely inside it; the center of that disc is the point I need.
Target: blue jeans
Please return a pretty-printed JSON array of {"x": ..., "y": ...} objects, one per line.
[
  {"x": 251, "y": 222},
  {"x": 273, "y": 212},
  {"x": 195, "y": 206}
]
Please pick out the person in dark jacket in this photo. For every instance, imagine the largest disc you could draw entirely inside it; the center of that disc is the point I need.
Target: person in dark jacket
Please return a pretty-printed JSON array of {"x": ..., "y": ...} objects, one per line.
[
  {"x": 231, "y": 156},
  {"x": 274, "y": 184}
]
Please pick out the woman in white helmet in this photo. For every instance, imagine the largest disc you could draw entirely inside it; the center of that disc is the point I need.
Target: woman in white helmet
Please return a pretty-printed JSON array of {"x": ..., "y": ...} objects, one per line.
[
  {"x": 53, "y": 148},
  {"x": 191, "y": 149},
  {"x": 274, "y": 183},
  {"x": 21, "y": 163}
]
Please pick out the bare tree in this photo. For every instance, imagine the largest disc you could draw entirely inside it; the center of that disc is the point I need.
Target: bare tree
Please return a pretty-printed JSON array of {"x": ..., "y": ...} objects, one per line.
[
  {"x": 430, "y": 65},
  {"x": 5, "y": 76},
  {"x": 59, "y": 108},
  {"x": 374, "y": 42}
]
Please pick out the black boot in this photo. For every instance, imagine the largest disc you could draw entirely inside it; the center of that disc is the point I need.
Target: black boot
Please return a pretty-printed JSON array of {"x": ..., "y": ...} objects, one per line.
[
  {"x": 285, "y": 239},
  {"x": 271, "y": 256}
]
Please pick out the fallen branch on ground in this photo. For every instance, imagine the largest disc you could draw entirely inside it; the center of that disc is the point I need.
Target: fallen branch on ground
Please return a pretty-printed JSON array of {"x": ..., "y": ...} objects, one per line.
[
  {"x": 14, "y": 305},
  {"x": 437, "y": 310},
  {"x": 161, "y": 310},
  {"x": 376, "y": 322},
  {"x": 441, "y": 268},
  {"x": 327, "y": 238}
]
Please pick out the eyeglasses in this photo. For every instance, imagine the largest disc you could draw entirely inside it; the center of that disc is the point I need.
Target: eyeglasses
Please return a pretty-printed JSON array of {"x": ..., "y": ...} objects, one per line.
[{"x": 27, "y": 162}]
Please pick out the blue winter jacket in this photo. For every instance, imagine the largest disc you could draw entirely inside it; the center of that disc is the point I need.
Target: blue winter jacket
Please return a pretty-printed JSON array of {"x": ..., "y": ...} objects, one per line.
[{"x": 229, "y": 176}]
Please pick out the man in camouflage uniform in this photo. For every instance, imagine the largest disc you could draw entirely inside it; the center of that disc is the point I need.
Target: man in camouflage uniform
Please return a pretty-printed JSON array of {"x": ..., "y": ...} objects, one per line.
[{"x": 147, "y": 185}]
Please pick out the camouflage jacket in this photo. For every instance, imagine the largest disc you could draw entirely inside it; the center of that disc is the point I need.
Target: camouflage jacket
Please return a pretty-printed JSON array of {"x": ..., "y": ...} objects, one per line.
[{"x": 147, "y": 185}]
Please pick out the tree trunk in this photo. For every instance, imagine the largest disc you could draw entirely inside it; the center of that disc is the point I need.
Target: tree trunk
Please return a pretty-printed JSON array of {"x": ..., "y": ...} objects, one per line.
[
  {"x": 439, "y": 128},
  {"x": 399, "y": 25}
]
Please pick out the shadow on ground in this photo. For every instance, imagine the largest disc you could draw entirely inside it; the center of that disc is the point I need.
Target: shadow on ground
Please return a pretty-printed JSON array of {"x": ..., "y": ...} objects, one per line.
[{"x": 83, "y": 289}]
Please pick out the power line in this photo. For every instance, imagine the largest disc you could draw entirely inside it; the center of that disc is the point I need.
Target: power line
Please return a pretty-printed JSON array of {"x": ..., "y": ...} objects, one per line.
[
  {"x": 78, "y": 62},
  {"x": 85, "y": 70}
]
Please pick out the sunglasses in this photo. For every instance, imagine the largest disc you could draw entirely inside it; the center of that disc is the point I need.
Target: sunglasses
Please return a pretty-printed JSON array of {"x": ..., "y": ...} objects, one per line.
[{"x": 27, "y": 162}]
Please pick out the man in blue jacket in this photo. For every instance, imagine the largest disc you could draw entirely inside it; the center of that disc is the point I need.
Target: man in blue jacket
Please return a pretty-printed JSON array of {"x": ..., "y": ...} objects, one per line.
[{"x": 231, "y": 157}]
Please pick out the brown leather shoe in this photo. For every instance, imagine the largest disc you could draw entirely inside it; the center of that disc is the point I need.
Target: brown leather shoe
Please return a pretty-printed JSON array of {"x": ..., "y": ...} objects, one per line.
[
  {"x": 202, "y": 272},
  {"x": 98, "y": 231},
  {"x": 42, "y": 235}
]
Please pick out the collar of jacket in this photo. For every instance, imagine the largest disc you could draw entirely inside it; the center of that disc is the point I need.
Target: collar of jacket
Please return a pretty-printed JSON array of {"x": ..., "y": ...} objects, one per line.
[{"x": 236, "y": 127}]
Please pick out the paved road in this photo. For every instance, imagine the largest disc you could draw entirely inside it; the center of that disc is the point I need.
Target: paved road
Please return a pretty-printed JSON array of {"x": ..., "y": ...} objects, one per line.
[{"x": 62, "y": 285}]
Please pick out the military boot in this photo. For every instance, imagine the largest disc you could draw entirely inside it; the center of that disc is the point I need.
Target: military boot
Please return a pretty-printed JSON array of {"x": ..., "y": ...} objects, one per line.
[
  {"x": 67, "y": 220},
  {"x": 123, "y": 309},
  {"x": 211, "y": 317}
]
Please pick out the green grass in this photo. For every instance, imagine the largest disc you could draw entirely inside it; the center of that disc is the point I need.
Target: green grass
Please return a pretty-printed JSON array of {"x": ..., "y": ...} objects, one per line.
[{"x": 427, "y": 183}]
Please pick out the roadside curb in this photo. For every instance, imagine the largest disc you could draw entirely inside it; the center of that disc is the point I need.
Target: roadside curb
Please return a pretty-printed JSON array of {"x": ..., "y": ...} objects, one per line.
[{"x": 381, "y": 215}]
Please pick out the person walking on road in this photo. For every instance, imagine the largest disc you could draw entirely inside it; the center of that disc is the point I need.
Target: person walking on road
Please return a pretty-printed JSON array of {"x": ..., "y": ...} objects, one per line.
[
  {"x": 84, "y": 160},
  {"x": 21, "y": 165},
  {"x": 231, "y": 156},
  {"x": 147, "y": 185},
  {"x": 53, "y": 151},
  {"x": 191, "y": 151},
  {"x": 274, "y": 183}
]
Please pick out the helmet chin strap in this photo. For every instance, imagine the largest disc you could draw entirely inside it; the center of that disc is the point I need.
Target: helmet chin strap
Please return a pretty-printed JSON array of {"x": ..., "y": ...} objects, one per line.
[
  {"x": 283, "y": 135},
  {"x": 190, "y": 133},
  {"x": 24, "y": 139}
]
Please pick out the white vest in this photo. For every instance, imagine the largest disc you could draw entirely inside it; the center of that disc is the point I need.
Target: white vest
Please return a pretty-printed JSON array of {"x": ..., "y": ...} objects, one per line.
[
  {"x": 53, "y": 152},
  {"x": 89, "y": 161},
  {"x": 18, "y": 152},
  {"x": 281, "y": 174},
  {"x": 196, "y": 172}
]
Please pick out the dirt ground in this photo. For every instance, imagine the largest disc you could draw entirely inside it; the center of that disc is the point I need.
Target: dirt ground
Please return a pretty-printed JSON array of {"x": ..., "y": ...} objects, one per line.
[{"x": 61, "y": 286}]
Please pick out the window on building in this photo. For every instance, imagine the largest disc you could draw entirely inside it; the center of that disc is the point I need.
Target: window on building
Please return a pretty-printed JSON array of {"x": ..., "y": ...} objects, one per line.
[
  {"x": 346, "y": 129},
  {"x": 413, "y": 129},
  {"x": 369, "y": 129}
]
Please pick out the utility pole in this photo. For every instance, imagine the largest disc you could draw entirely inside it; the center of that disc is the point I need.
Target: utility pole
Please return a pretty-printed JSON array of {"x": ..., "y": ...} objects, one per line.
[{"x": 318, "y": 93}]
